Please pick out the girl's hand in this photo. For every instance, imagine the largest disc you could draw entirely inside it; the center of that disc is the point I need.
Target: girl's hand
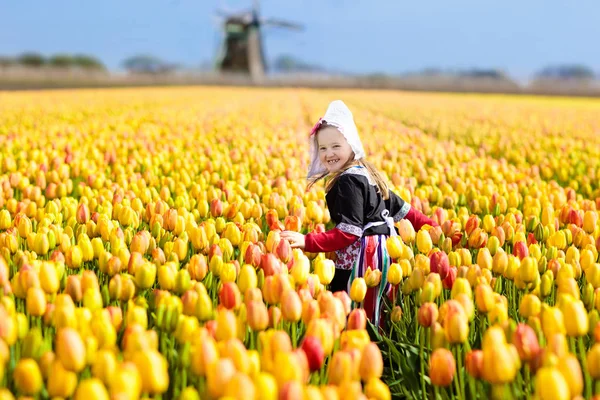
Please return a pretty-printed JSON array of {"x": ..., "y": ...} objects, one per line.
[{"x": 296, "y": 239}]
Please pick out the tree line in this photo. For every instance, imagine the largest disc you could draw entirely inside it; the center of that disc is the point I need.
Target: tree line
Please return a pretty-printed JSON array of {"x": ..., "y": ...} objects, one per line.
[
  {"x": 149, "y": 64},
  {"x": 36, "y": 60}
]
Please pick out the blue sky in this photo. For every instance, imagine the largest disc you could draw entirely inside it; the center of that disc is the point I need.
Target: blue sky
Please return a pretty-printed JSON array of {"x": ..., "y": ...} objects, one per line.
[{"x": 392, "y": 36}]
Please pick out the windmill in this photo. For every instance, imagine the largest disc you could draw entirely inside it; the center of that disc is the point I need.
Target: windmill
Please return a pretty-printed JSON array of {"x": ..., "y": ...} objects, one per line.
[{"x": 242, "y": 50}]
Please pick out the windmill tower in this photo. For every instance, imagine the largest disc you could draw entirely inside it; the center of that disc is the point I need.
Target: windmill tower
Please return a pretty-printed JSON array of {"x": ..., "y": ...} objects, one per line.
[{"x": 243, "y": 49}]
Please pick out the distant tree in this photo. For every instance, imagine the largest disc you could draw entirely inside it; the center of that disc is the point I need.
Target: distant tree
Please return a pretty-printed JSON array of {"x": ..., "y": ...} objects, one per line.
[
  {"x": 288, "y": 63},
  {"x": 61, "y": 60},
  {"x": 31, "y": 59},
  {"x": 87, "y": 62},
  {"x": 483, "y": 73},
  {"x": 6, "y": 61},
  {"x": 432, "y": 71},
  {"x": 574, "y": 72},
  {"x": 147, "y": 64}
]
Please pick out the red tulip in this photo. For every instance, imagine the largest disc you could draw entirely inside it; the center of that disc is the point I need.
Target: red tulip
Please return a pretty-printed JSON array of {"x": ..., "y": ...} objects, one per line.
[
  {"x": 449, "y": 280},
  {"x": 440, "y": 264},
  {"x": 474, "y": 363},
  {"x": 270, "y": 264},
  {"x": 253, "y": 255},
  {"x": 230, "y": 296},
  {"x": 472, "y": 224},
  {"x": 357, "y": 319},
  {"x": 315, "y": 355},
  {"x": 526, "y": 342},
  {"x": 520, "y": 250}
]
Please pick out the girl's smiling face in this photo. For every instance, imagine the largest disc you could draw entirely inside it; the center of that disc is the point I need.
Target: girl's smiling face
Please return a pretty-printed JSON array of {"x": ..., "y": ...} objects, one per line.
[{"x": 334, "y": 150}]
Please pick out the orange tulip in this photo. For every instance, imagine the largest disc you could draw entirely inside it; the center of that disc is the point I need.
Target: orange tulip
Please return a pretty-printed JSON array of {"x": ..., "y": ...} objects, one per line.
[
  {"x": 70, "y": 349},
  {"x": 441, "y": 367},
  {"x": 371, "y": 362}
]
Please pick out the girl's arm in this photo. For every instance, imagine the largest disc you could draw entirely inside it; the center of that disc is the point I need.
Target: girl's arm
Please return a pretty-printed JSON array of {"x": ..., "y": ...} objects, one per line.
[
  {"x": 418, "y": 219},
  {"x": 400, "y": 209},
  {"x": 325, "y": 242}
]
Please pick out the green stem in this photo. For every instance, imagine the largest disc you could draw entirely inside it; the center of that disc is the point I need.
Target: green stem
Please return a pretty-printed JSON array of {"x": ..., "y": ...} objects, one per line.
[
  {"x": 457, "y": 384},
  {"x": 294, "y": 334},
  {"x": 422, "y": 362},
  {"x": 527, "y": 379},
  {"x": 416, "y": 322},
  {"x": 200, "y": 386},
  {"x": 460, "y": 355},
  {"x": 586, "y": 373}
]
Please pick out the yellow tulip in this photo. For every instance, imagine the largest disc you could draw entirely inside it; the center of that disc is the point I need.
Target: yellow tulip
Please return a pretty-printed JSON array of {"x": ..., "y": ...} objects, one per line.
[{"x": 358, "y": 290}]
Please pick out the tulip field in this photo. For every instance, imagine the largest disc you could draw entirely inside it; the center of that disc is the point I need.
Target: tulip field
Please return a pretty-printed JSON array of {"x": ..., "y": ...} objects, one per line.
[{"x": 140, "y": 249}]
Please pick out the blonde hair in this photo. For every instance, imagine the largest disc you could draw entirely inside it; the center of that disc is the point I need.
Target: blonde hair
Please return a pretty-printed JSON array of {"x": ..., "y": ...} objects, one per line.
[{"x": 376, "y": 176}]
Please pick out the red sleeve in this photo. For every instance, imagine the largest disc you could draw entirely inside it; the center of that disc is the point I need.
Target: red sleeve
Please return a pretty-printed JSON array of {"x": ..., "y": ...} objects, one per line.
[
  {"x": 418, "y": 219},
  {"x": 331, "y": 240}
]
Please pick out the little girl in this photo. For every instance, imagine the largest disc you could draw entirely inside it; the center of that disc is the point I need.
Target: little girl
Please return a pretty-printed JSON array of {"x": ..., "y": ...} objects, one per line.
[{"x": 359, "y": 202}]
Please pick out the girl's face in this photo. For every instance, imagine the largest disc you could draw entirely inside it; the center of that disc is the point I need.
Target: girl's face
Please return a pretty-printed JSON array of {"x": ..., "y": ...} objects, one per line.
[{"x": 334, "y": 150}]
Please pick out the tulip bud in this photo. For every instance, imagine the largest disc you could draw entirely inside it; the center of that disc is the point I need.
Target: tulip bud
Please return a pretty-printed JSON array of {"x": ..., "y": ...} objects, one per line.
[
  {"x": 61, "y": 382},
  {"x": 456, "y": 325},
  {"x": 499, "y": 262},
  {"x": 371, "y": 362},
  {"x": 36, "y": 301},
  {"x": 90, "y": 389},
  {"x": 461, "y": 285},
  {"x": 530, "y": 306},
  {"x": 104, "y": 366},
  {"x": 438, "y": 336},
  {"x": 394, "y": 275},
  {"x": 301, "y": 270},
  {"x": 376, "y": 389},
  {"x": 526, "y": 342},
  {"x": 358, "y": 290},
  {"x": 474, "y": 363},
  {"x": 325, "y": 270},
  {"x": 340, "y": 369},
  {"x": 484, "y": 298},
  {"x": 257, "y": 315},
  {"x": 427, "y": 314},
  {"x": 314, "y": 352},
  {"x": 571, "y": 370},
  {"x": 440, "y": 264},
  {"x": 27, "y": 376},
  {"x": 477, "y": 239},
  {"x": 357, "y": 319},
  {"x": 230, "y": 296},
  {"x": 70, "y": 349},
  {"x": 550, "y": 383},
  {"x": 441, "y": 367},
  {"x": 291, "y": 306},
  {"x": 424, "y": 242},
  {"x": 576, "y": 319},
  {"x": 153, "y": 371},
  {"x": 396, "y": 314},
  {"x": 394, "y": 247},
  {"x": 372, "y": 277}
]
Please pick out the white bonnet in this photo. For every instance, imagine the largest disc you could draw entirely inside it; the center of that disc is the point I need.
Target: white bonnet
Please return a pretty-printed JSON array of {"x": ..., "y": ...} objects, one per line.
[{"x": 340, "y": 116}]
